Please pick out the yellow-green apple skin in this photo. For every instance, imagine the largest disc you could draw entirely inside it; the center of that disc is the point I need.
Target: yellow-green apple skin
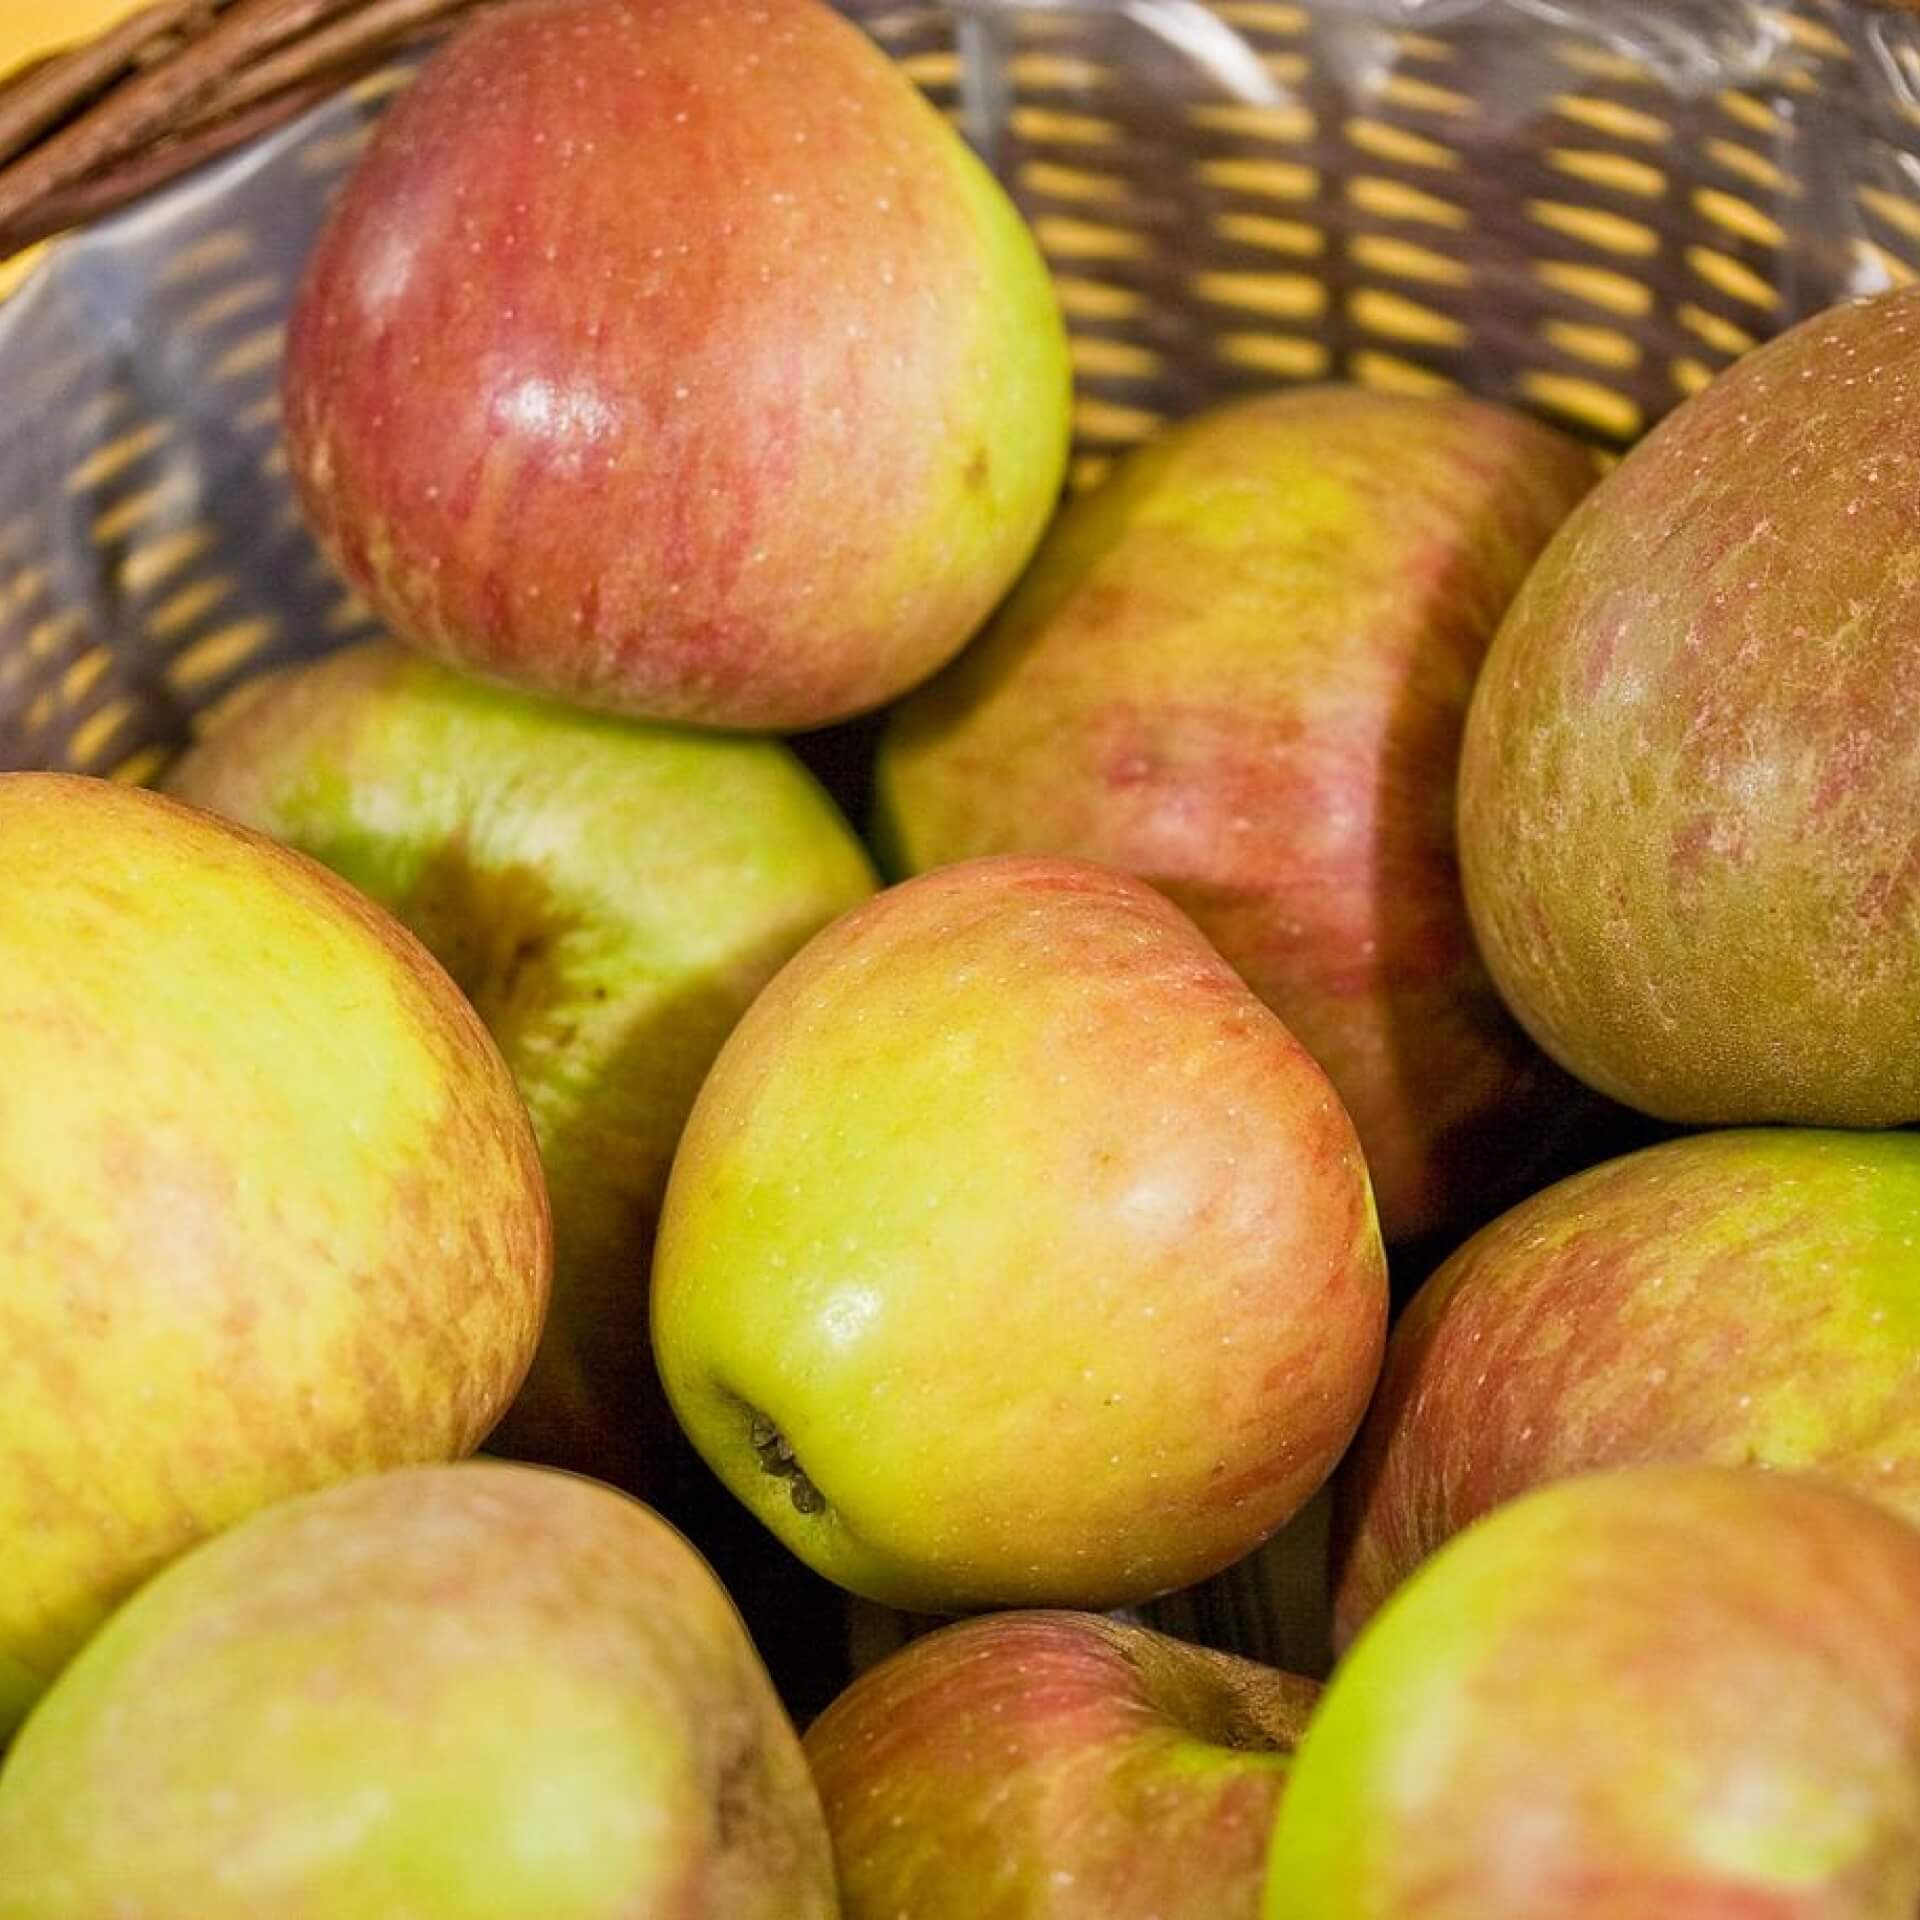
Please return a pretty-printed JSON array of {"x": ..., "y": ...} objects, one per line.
[
  {"x": 610, "y": 895},
  {"x": 1656, "y": 1693},
  {"x": 477, "y": 1692},
  {"x": 1056, "y": 1766},
  {"x": 273, "y": 1212},
  {"x": 1241, "y": 670},
  {"x": 1749, "y": 1298},
  {"x": 1689, "y": 781},
  {"x": 677, "y": 358},
  {"x": 1015, "y": 1254}
]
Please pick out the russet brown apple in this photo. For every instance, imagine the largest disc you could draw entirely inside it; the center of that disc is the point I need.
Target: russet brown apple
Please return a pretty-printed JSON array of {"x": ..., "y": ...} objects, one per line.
[{"x": 1692, "y": 764}]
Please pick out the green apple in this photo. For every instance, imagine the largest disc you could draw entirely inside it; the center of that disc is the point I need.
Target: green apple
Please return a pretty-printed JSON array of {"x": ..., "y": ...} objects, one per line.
[
  {"x": 1056, "y": 1766},
  {"x": 1657, "y": 1693},
  {"x": 1745, "y": 1298},
  {"x": 1015, "y": 1254},
  {"x": 1240, "y": 670},
  {"x": 1689, "y": 782},
  {"x": 610, "y": 896},
  {"x": 273, "y": 1211},
  {"x": 676, "y": 357},
  {"x": 481, "y": 1692}
]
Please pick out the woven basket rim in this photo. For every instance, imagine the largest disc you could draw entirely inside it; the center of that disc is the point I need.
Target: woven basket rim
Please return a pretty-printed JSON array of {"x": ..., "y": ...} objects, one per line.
[{"x": 115, "y": 116}]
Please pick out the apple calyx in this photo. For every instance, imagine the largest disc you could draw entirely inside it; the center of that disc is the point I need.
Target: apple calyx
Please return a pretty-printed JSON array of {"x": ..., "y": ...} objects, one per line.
[
  {"x": 776, "y": 1457},
  {"x": 1219, "y": 1698}
]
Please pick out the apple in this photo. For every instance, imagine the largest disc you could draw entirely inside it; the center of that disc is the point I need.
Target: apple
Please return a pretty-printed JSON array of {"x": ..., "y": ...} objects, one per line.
[
  {"x": 481, "y": 1692},
  {"x": 611, "y": 896},
  {"x": 1659, "y": 1693},
  {"x": 679, "y": 359},
  {"x": 273, "y": 1209},
  {"x": 1743, "y": 1298},
  {"x": 1015, "y": 1254},
  {"x": 1241, "y": 670},
  {"x": 1056, "y": 1766},
  {"x": 1690, "y": 779}
]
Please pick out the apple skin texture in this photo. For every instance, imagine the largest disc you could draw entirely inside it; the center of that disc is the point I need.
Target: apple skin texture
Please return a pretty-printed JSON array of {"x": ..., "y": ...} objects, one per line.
[
  {"x": 1664, "y": 1693},
  {"x": 1735, "y": 1299},
  {"x": 1690, "y": 780},
  {"x": 1241, "y": 670},
  {"x": 274, "y": 1214},
  {"x": 482, "y": 1692},
  {"x": 1056, "y": 1766},
  {"x": 678, "y": 358},
  {"x": 610, "y": 895},
  {"x": 1039, "y": 1241}
]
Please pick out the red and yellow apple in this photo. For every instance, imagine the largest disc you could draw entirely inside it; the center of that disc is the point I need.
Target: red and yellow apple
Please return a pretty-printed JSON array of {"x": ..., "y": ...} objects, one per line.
[
  {"x": 273, "y": 1209},
  {"x": 1746, "y": 1298},
  {"x": 1015, "y": 1254},
  {"x": 1690, "y": 782},
  {"x": 1056, "y": 1766},
  {"x": 611, "y": 896},
  {"x": 1241, "y": 670},
  {"x": 1659, "y": 1693},
  {"x": 480, "y": 1692},
  {"x": 677, "y": 358}
]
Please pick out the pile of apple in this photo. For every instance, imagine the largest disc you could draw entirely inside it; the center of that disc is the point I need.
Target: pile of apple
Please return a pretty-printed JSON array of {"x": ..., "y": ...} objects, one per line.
[{"x": 1345, "y": 830}]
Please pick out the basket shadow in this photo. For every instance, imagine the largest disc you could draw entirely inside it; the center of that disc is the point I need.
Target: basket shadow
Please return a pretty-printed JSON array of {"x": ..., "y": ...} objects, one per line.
[{"x": 607, "y": 1138}]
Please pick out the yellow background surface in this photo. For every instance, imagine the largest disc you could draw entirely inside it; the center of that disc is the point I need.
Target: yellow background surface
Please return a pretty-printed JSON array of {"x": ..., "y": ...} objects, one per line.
[{"x": 29, "y": 28}]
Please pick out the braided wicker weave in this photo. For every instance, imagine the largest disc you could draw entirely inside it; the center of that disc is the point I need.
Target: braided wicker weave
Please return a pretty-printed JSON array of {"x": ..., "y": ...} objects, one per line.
[{"x": 1589, "y": 239}]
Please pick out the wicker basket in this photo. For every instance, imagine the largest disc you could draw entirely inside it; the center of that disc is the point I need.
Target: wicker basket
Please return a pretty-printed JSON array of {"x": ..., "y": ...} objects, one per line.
[
  {"x": 1232, "y": 194},
  {"x": 1336, "y": 199}
]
